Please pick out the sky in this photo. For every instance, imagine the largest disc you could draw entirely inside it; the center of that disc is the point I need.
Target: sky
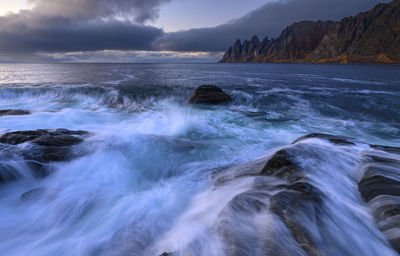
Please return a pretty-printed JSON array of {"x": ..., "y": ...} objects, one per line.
[{"x": 149, "y": 30}]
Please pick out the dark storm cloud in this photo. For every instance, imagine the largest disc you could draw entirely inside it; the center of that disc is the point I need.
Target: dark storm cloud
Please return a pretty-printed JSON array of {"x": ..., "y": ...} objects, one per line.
[
  {"x": 268, "y": 20},
  {"x": 80, "y": 25},
  {"x": 140, "y": 10},
  {"x": 66, "y": 36}
]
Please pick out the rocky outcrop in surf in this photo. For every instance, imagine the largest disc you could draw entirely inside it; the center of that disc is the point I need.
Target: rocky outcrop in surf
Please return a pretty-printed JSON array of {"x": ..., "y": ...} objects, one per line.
[
  {"x": 302, "y": 206},
  {"x": 369, "y": 37},
  {"x": 34, "y": 150},
  {"x": 297, "y": 193},
  {"x": 209, "y": 94}
]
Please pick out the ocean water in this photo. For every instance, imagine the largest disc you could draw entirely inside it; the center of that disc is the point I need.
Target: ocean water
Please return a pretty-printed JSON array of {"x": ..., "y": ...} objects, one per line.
[{"x": 146, "y": 184}]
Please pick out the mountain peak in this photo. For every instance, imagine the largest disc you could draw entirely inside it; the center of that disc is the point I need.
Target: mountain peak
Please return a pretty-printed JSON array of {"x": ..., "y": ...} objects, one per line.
[
  {"x": 255, "y": 39},
  {"x": 369, "y": 37}
]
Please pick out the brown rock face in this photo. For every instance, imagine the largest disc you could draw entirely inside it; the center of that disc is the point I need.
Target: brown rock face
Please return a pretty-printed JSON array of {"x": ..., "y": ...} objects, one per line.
[
  {"x": 296, "y": 41},
  {"x": 370, "y": 37},
  {"x": 245, "y": 52}
]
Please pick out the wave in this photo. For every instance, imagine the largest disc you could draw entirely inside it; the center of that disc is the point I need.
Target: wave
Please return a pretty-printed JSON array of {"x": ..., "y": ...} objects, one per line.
[{"x": 126, "y": 197}]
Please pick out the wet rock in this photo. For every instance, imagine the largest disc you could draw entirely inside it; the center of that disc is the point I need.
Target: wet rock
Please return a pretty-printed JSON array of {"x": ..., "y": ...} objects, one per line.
[
  {"x": 58, "y": 137},
  {"x": 14, "y": 112},
  {"x": 209, "y": 94},
  {"x": 248, "y": 169},
  {"x": 286, "y": 194},
  {"x": 44, "y": 147},
  {"x": 282, "y": 165},
  {"x": 387, "y": 149},
  {"x": 167, "y": 254},
  {"x": 298, "y": 204},
  {"x": 335, "y": 139},
  {"x": 380, "y": 188},
  {"x": 249, "y": 202},
  {"x": 237, "y": 223},
  {"x": 47, "y": 145}
]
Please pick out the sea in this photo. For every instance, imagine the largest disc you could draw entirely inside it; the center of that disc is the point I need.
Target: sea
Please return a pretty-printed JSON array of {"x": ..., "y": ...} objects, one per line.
[{"x": 146, "y": 186}]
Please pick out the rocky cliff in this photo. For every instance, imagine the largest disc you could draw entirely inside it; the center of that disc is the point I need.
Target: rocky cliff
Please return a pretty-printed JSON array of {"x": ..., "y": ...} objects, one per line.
[{"x": 370, "y": 37}]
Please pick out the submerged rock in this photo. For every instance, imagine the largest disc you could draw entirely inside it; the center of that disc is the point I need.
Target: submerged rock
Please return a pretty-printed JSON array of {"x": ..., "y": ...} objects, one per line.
[
  {"x": 335, "y": 139},
  {"x": 33, "y": 194},
  {"x": 14, "y": 112},
  {"x": 209, "y": 94}
]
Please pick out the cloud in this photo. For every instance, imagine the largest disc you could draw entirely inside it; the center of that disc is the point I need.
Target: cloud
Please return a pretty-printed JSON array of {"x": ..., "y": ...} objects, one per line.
[
  {"x": 268, "y": 20},
  {"x": 80, "y": 25},
  {"x": 140, "y": 10},
  {"x": 65, "y": 35}
]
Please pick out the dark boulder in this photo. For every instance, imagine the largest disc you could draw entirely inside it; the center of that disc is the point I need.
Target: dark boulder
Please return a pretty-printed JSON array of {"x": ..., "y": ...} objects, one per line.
[
  {"x": 14, "y": 112},
  {"x": 209, "y": 94},
  {"x": 166, "y": 254},
  {"x": 58, "y": 137},
  {"x": 43, "y": 147},
  {"x": 46, "y": 145}
]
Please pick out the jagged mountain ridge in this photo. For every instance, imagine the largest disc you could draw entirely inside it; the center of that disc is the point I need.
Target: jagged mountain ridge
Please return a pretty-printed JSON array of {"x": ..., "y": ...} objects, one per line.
[{"x": 369, "y": 37}]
